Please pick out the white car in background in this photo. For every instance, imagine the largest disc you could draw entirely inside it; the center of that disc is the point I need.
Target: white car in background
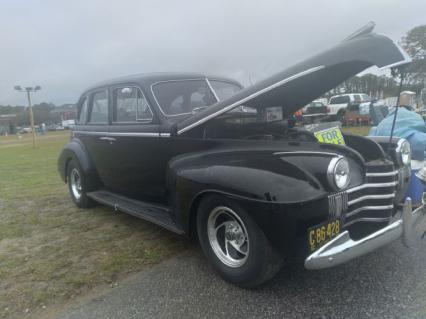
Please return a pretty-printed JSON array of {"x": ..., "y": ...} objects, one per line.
[{"x": 338, "y": 103}]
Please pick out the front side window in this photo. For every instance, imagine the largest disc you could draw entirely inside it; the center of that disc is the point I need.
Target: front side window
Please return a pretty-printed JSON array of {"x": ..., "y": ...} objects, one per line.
[
  {"x": 82, "y": 119},
  {"x": 223, "y": 89},
  {"x": 183, "y": 96},
  {"x": 130, "y": 105},
  {"x": 99, "y": 108}
]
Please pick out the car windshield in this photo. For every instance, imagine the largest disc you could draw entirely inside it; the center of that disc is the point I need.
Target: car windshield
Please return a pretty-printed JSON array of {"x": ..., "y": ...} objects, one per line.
[
  {"x": 223, "y": 89},
  {"x": 183, "y": 96}
]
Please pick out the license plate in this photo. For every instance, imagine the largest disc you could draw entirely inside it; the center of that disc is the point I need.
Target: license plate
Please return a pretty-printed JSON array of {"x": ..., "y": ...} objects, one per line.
[
  {"x": 321, "y": 234},
  {"x": 331, "y": 136}
]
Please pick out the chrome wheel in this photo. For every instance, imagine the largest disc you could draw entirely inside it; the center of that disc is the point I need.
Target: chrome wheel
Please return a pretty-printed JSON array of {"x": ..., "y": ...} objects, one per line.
[
  {"x": 228, "y": 236},
  {"x": 75, "y": 181}
]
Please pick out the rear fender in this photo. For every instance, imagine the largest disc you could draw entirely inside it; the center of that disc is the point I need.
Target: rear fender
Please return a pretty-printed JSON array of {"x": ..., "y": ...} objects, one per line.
[{"x": 76, "y": 151}]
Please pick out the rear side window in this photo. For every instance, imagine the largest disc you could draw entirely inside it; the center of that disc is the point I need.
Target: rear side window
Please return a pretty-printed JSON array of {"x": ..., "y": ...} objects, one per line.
[
  {"x": 130, "y": 105},
  {"x": 82, "y": 119},
  {"x": 99, "y": 108}
]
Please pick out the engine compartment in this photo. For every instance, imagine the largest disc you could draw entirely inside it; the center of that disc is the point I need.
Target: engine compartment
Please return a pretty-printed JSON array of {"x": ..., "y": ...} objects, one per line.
[{"x": 247, "y": 127}]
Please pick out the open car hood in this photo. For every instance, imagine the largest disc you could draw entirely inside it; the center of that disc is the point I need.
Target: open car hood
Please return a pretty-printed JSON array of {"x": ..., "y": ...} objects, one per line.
[{"x": 307, "y": 80}]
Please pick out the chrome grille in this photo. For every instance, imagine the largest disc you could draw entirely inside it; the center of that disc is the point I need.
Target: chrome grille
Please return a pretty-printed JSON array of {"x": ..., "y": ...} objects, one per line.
[
  {"x": 338, "y": 204},
  {"x": 369, "y": 202}
]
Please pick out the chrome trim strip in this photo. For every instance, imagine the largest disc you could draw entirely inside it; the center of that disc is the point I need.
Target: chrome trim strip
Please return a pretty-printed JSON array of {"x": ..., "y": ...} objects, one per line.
[
  {"x": 211, "y": 88},
  {"x": 251, "y": 96},
  {"x": 356, "y": 211},
  {"x": 133, "y": 134},
  {"x": 164, "y": 134},
  {"x": 369, "y": 219},
  {"x": 90, "y": 133},
  {"x": 372, "y": 185},
  {"x": 307, "y": 152},
  {"x": 360, "y": 199},
  {"x": 136, "y": 134},
  {"x": 382, "y": 174}
]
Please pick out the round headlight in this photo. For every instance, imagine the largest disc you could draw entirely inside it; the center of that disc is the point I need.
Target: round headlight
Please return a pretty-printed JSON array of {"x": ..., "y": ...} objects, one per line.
[
  {"x": 338, "y": 172},
  {"x": 405, "y": 152}
]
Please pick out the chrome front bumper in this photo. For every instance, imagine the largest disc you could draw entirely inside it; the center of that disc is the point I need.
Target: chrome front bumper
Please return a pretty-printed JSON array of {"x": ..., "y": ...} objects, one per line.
[{"x": 342, "y": 248}]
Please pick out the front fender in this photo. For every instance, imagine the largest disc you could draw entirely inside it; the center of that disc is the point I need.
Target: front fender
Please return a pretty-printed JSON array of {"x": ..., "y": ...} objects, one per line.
[{"x": 263, "y": 177}]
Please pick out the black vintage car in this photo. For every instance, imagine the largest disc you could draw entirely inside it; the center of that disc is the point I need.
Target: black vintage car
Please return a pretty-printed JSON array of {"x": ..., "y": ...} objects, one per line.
[{"x": 200, "y": 155}]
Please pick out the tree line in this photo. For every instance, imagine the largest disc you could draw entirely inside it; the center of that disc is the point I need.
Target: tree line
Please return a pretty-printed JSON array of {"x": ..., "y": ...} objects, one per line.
[
  {"x": 414, "y": 43},
  {"x": 43, "y": 113}
]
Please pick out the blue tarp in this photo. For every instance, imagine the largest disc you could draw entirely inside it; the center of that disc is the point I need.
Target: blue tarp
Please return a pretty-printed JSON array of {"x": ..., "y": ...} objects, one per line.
[{"x": 408, "y": 125}]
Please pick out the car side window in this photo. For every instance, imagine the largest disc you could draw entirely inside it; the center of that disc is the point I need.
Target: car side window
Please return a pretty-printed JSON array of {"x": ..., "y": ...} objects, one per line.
[
  {"x": 99, "y": 108},
  {"x": 82, "y": 119},
  {"x": 130, "y": 105}
]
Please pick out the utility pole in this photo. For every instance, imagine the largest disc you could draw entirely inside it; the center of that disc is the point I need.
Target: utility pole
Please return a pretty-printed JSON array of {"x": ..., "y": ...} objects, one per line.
[{"x": 30, "y": 90}]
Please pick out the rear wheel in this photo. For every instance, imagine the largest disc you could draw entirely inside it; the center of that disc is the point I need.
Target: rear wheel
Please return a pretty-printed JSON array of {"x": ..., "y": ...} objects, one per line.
[
  {"x": 234, "y": 244},
  {"x": 78, "y": 185}
]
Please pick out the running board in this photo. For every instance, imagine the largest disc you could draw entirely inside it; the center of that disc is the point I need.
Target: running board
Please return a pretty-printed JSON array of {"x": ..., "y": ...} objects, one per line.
[{"x": 154, "y": 213}]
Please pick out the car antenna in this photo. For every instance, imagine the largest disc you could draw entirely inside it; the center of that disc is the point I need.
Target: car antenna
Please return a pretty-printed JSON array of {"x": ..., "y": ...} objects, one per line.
[{"x": 401, "y": 73}]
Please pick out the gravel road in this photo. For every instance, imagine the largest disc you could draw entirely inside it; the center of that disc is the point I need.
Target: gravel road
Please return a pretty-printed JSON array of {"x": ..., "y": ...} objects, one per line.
[{"x": 389, "y": 283}]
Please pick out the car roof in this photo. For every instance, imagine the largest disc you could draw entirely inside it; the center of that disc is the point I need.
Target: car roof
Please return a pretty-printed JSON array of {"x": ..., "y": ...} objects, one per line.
[{"x": 147, "y": 79}]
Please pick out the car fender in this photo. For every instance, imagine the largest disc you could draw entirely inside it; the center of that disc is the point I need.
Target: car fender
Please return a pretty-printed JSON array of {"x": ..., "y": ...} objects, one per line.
[
  {"x": 75, "y": 150},
  {"x": 263, "y": 178}
]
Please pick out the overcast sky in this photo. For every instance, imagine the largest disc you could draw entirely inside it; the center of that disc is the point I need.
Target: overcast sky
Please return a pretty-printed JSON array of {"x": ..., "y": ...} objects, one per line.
[{"x": 65, "y": 46}]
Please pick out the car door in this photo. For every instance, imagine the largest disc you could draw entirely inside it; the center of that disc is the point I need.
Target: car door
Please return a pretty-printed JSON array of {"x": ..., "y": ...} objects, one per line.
[
  {"x": 92, "y": 130},
  {"x": 136, "y": 154}
]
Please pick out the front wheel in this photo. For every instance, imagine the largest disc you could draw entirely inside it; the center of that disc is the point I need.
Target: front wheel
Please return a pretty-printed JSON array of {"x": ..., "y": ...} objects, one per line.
[{"x": 234, "y": 244}]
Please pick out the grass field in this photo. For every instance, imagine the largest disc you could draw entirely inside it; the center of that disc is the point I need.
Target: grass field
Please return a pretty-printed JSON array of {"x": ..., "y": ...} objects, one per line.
[{"x": 50, "y": 251}]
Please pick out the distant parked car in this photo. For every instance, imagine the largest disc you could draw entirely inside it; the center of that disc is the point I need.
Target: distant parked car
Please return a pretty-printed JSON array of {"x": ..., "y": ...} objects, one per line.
[
  {"x": 55, "y": 127},
  {"x": 68, "y": 124},
  {"x": 338, "y": 103},
  {"x": 314, "y": 112},
  {"x": 315, "y": 107},
  {"x": 25, "y": 130}
]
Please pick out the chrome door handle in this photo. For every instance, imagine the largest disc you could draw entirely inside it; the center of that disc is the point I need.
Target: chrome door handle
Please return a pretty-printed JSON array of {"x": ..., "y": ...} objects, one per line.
[{"x": 106, "y": 138}]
